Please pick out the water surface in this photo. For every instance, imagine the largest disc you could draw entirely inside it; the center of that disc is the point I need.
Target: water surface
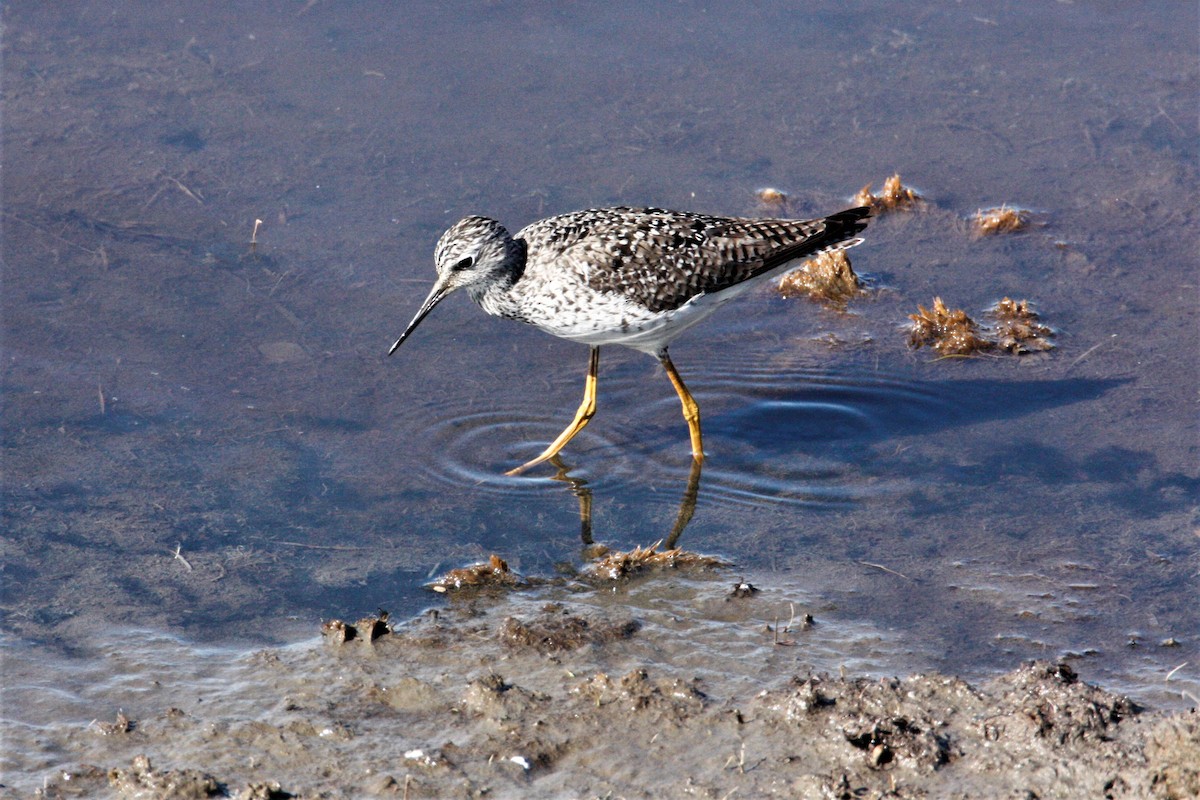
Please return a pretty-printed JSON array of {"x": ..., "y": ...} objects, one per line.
[{"x": 205, "y": 441}]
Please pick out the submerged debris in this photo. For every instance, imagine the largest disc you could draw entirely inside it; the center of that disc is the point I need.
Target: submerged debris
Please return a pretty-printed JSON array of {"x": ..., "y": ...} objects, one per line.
[
  {"x": 770, "y": 197},
  {"x": 1004, "y": 219},
  {"x": 493, "y": 572},
  {"x": 895, "y": 196},
  {"x": 836, "y": 340},
  {"x": 950, "y": 333},
  {"x": 829, "y": 278},
  {"x": 1015, "y": 329},
  {"x": 615, "y": 565}
]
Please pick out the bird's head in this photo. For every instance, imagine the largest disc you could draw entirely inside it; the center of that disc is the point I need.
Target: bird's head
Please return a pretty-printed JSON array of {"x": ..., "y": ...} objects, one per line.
[{"x": 474, "y": 254}]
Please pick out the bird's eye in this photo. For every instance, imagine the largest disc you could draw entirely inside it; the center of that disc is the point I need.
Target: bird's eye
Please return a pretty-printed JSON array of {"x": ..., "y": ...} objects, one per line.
[{"x": 464, "y": 263}]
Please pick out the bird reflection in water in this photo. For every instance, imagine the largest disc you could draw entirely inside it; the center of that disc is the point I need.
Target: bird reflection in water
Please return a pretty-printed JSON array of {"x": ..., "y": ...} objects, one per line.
[{"x": 579, "y": 488}]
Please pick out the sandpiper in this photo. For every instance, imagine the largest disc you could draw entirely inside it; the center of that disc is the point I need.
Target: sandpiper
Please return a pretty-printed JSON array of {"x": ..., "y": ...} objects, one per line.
[{"x": 638, "y": 277}]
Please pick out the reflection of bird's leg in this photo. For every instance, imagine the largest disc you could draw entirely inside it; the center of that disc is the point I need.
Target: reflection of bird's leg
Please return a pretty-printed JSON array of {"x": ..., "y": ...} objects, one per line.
[
  {"x": 580, "y": 489},
  {"x": 691, "y": 411},
  {"x": 687, "y": 506},
  {"x": 587, "y": 410}
]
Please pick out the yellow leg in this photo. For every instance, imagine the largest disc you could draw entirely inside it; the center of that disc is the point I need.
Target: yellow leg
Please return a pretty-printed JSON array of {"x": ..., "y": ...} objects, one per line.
[
  {"x": 691, "y": 411},
  {"x": 587, "y": 409}
]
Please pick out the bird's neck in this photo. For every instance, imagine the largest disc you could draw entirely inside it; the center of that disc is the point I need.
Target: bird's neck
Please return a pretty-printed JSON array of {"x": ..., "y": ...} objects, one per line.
[{"x": 499, "y": 297}]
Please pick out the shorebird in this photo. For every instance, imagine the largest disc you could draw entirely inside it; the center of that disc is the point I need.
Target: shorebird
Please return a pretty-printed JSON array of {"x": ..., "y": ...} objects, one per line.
[{"x": 637, "y": 277}]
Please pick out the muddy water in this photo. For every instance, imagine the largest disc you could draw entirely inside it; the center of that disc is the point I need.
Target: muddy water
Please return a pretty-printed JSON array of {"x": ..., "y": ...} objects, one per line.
[{"x": 205, "y": 449}]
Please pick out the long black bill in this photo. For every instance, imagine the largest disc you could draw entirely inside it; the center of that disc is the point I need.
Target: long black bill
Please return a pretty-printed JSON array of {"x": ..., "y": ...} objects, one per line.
[{"x": 439, "y": 291}]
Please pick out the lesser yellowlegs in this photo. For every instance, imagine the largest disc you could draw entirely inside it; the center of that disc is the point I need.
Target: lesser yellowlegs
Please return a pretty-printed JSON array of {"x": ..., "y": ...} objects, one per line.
[{"x": 638, "y": 277}]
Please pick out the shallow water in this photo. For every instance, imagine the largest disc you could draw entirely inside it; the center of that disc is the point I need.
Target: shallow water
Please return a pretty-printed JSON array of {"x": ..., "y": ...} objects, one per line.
[{"x": 169, "y": 390}]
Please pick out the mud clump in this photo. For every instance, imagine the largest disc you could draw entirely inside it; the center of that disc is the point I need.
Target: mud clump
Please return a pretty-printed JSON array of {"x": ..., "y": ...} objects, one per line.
[
  {"x": 122, "y": 724},
  {"x": 929, "y": 724},
  {"x": 1049, "y": 702},
  {"x": 874, "y": 719},
  {"x": 637, "y": 692},
  {"x": 367, "y": 629},
  {"x": 142, "y": 780},
  {"x": 557, "y": 631},
  {"x": 494, "y": 698},
  {"x": 269, "y": 790},
  {"x": 887, "y": 740}
]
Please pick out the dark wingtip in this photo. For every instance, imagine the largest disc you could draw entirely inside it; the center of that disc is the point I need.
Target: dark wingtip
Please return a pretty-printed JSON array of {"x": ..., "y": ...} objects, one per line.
[
  {"x": 856, "y": 214},
  {"x": 849, "y": 222}
]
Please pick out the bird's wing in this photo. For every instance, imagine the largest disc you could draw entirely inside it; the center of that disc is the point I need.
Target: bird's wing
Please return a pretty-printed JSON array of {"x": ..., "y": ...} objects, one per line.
[{"x": 661, "y": 259}]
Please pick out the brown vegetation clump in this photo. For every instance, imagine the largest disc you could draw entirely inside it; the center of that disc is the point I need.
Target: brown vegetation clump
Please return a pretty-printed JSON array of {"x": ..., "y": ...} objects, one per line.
[
  {"x": 493, "y": 572},
  {"x": 615, "y": 565},
  {"x": 829, "y": 278},
  {"x": 1017, "y": 329},
  {"x": 1014, "y": 328},
  {"x": 895, "y": 196},
  {"x": 989, "y": 221},
  {"x": 950, "y": 333}
]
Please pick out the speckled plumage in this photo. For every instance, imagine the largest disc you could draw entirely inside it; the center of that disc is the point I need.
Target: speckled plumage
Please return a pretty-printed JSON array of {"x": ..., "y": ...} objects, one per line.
[
  {"x": 661, "y": 259},
  {"x": 637, "y": 277},
  {"x": 632, "y": 276}
]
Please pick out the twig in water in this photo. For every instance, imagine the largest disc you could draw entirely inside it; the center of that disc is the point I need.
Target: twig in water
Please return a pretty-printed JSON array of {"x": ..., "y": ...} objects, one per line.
[
  {"x": 1085, "y": 354},
  {"x": 885, "y": 569},
  {"x": 179, "y": 555},
  {"x": 254, "y": 235},
  {"x": 179, "y": 184},
  {"x": 782, "y": 642},
  {"x": 317, "y": 546}
]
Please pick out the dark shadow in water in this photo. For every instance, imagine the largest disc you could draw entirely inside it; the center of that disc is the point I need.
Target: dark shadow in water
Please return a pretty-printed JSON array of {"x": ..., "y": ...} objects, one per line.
[
  {"x": 1134, "y": 479},
  {"x": 579, "y": 488},
  {"x": 806, "y": 416}
]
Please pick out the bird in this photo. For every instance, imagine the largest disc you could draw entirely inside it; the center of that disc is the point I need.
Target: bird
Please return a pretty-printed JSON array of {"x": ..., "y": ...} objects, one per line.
[{"x": 637, "y": 277}]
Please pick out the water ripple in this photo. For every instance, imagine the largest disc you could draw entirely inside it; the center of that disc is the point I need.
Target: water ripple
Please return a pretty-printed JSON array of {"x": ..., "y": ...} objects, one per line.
[{"x": 778, "y": 431}]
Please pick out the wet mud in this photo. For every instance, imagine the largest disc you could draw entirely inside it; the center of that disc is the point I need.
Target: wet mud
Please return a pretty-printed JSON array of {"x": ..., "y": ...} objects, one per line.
[{"x": 502, "y": 700}]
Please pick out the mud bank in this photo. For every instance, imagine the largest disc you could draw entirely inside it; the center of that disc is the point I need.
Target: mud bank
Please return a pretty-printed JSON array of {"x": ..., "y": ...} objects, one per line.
[{"x": 489, "y": 699}]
